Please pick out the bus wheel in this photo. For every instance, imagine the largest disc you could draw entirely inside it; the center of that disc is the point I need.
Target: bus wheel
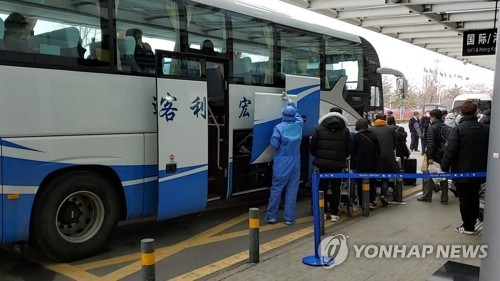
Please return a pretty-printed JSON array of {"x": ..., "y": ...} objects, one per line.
[{"x": 74, "y": 215}]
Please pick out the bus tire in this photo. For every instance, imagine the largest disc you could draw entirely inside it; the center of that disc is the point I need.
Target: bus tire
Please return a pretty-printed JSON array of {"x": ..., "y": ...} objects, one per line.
[{"x": 74, "y": 215}]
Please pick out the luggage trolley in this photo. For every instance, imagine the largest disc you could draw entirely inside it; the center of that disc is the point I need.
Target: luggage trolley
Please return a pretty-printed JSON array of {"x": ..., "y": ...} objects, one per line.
[{"x": 348, "y": 190}]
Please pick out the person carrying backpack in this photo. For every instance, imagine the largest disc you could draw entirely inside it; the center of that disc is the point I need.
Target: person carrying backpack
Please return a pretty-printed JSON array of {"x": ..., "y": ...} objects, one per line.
[{"x": 436, "y": 140}]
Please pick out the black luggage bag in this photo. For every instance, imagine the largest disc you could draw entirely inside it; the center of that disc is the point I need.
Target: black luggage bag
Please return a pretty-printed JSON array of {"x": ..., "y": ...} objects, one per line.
[{"x": 410, "y": 167}]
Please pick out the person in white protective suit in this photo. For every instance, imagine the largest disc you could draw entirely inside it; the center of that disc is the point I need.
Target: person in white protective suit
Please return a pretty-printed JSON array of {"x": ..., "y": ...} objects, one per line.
[{"x": 286, "y": 140}]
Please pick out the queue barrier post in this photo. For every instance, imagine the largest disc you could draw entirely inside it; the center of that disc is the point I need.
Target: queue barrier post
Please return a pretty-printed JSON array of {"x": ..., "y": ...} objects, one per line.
[
  {"x": 317, "y": 259},
  {"x": 322, "y": 212}
]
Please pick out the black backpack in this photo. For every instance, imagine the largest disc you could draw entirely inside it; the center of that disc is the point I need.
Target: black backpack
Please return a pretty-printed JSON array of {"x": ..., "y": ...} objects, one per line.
[{"x": 444, "y": 132}]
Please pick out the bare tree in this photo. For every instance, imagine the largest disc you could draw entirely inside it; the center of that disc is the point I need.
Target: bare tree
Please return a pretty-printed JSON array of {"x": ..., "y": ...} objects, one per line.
[
  {"x": 449, "y": 95},
  {"x": 430, "y": 87},
  {"x": 479, "y": 88},
  {"x": 87, "y": 34},
  {"x": 387, "y": 89}
]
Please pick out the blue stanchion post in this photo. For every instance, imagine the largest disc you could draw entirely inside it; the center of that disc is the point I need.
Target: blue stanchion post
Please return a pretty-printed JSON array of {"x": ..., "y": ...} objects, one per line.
[{"x": 317, "y": 259}]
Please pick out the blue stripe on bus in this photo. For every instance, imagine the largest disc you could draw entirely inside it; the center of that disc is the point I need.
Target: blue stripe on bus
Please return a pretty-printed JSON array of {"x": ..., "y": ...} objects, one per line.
[
  {"x": 134, "y": 195},
  {"x": 163, "y": 174},
  {"x": 309, "y": 107},
  {"x": 183, "y": 195},
  {"x": 13, "y": 145},
  {"x": 16, "y": 217},
  {"x": 301, "y": 89},
  {"x": 265, "y": 130},
  {"x": 25, "y": 172}
]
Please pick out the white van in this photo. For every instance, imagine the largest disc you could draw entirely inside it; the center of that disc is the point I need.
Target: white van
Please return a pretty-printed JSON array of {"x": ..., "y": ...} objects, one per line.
[{"x": 483, "y": 101}]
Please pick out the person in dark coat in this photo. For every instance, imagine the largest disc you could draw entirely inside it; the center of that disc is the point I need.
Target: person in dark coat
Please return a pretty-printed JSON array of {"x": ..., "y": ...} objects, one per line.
[
  {"x": 402, "y": 150},
  {"x": 424, "y": 124},
  {"x": 386, "y": 136},
  {"x": 434, "y": 153},
  {"x": 331, "y": 145},
  {"x": 466, "y": 150},
  {"x": 365, "y": 155},
  {"x": 413, "y": 131}
]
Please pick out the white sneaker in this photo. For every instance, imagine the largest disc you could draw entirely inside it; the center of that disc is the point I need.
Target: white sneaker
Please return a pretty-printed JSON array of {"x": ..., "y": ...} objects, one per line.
[
  {"x": 462, "y": 230},
  {"x": 334, "y": 218}
]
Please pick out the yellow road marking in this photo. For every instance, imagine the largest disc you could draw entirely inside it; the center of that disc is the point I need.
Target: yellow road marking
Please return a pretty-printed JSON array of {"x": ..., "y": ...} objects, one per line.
[
  {"x": 108, "y": 262},
  {"x": 135, "y": 256},
  {"x": 165, "y": 252},
  {"x": 241, "y": 256},
  {"x": 66, "y": 270},
  {"x": 412, "y": 190}
]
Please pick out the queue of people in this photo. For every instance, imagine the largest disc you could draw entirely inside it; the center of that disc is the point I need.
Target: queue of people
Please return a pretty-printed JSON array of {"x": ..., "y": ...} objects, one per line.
[{"x": 459, "y": 149}]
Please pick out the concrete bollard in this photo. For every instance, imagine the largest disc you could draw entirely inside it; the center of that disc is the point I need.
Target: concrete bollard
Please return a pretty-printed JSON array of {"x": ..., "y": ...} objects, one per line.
[
  {"x": 365, "y": 197},
  {"x": 253, "y": 226},
  {"x": 322, "y": 212},
  {"x": 148, "y": 259}
]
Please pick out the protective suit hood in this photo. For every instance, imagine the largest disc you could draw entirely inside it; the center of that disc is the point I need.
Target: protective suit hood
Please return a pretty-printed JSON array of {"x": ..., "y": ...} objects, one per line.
[
  {"x": 289, "y": 113},
  {"x": 333, "y": 120}
]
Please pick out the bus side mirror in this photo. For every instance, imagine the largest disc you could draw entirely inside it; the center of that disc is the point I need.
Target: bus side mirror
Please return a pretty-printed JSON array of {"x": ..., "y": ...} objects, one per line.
[{"x": 401, "y": 86}]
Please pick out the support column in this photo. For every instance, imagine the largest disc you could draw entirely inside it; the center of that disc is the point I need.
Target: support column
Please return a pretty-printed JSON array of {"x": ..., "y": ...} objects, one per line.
[{"x": 491, "y": 230}]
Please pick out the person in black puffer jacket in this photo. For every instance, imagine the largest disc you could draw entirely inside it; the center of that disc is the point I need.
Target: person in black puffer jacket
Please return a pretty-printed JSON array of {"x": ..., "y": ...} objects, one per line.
[
  {"x": 331, "y": 145},
  {"x": 466, "y": 150},
  {"x": 434, "y": 153}
]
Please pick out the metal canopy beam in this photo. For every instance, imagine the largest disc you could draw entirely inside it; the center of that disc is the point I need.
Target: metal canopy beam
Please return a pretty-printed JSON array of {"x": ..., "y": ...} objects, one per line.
[
  {"x": 326, "y": 4},
  {"x": 472, "y": 16},
  {"x": 433, "y": 34},
  {"x": 395, "y": 21},
  {"x": 440, "y": 45},
  {"x": 413, "y": 28},
  {"x": 476, "y": 25},
  {"x": 378, "y": 12},
  {"x": 455, "y": 7},
  {"x": 437, "y": 25},
  {"x": 455, "y": 39}
]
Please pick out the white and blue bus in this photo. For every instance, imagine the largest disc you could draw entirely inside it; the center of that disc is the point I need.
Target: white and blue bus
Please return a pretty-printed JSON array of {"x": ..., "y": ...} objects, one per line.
[{"x": 112, "y": 110}]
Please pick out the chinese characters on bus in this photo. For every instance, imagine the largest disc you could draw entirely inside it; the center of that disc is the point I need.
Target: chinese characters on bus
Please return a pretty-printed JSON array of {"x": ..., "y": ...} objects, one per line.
[
  {"x": 167, "y": 109},
  {"x": 244, "y": 107},
  {"x": 479, "y": 42},
  {"x": 199, "y": 107}
]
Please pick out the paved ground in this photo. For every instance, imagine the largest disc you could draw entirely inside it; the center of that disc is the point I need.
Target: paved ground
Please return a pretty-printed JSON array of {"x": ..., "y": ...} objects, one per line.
[{"x": 416, "y": 223}]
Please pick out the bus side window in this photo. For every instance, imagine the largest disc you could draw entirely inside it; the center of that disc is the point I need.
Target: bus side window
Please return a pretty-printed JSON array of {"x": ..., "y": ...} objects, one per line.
[
  {"x": 290, "y": 67},
  {"x": 215, "y": 84},
  {"x": 242, "y": 70},
  {"x": 126, "y": 48},
  {"x": 334, "y": 75},
  {"x": 58, "y": 42},
  {"x": 96, "y": 52},
  {"x": 2, "y": 30}
]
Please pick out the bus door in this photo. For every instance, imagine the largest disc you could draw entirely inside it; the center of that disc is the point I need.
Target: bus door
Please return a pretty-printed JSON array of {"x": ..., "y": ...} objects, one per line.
[
  {"x": 218, "y": 127},
  {"x": 182, "y": 112},
  {"x": 305, "y": 92}
]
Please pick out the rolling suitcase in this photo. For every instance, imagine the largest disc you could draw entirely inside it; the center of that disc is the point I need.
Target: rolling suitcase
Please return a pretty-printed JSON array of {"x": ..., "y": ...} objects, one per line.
[{"x": 410, "y": 167}]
